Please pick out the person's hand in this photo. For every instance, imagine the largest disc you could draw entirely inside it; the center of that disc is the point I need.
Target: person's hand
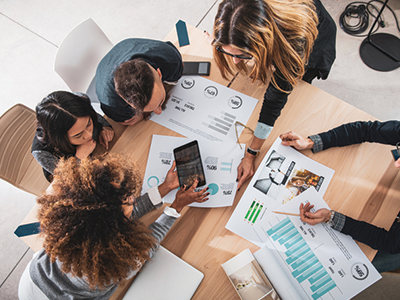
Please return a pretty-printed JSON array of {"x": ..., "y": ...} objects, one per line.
[
  {"x": 209, "y": 38},
  {"x": 106, "y": 135},
  {"x": 189, "y": 196},
  {"x": 245, "y": 169},
  {"x": 320, "y": 216},
  {"x": 397, "y": 163},
  {"x": 293, "y": 139},
  {"x": 132, "y": 121},
  {"x": 84, "y": 150},
  {"x": 170, "y": 183}
]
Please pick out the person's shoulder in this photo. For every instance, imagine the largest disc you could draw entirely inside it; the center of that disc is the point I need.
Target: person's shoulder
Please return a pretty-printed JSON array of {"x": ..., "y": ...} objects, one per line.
[
  {"x": 140, "y": 41},
  {"x": 38, "y": 143}
]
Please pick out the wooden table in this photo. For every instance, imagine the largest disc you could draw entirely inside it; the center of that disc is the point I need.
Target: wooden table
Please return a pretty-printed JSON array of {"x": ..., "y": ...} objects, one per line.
[{"x": 365, "y": 185}]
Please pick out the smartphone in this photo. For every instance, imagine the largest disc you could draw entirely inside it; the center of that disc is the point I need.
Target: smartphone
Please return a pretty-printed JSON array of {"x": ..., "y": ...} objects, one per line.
[
  {"x": 189, "y": 165},
  {"x": 196, "y": 68},
  {"x": 395, "y": 154}
]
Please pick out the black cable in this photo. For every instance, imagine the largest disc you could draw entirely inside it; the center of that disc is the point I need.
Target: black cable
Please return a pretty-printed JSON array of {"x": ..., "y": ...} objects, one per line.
[{"x": 361, "y": 11}]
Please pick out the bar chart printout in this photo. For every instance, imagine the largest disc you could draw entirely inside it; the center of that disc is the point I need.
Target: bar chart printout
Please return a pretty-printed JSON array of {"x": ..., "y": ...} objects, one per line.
[
  {"x": 305, "y": 266},
  {"x": 318, "y": 262},
  {"x": 254, "y": 211},
  {"x": 222, "y": 123},
  {"x": 205, "y": 110}
]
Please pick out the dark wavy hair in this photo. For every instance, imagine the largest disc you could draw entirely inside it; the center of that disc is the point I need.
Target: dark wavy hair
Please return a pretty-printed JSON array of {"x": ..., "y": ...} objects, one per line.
[
  {"x": 134, "y": 82},
  {"x": 57, "y": 113},
  {"x": 275, "y": 33},
  {"x": 83, "y": 224}
]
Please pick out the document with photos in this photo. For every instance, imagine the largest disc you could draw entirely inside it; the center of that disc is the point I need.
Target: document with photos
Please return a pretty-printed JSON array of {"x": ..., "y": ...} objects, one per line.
[
  {"x": 283, "y": 174},
  {"x": 205, "y": 110},
  {"x": 248, "y": 278},
  {"x": 219, "y": 164},
  {"x": 317, "y": 261}
]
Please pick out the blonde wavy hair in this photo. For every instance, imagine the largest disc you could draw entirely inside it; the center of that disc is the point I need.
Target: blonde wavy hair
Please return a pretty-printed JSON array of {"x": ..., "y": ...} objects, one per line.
[
  {"x": 276, "y": 33},
  {"x": 83, "y": 224}
]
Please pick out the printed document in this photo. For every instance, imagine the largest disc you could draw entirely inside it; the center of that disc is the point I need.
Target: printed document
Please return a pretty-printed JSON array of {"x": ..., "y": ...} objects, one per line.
[
  {"x": 317, "y": 261},
  {"x": 283, "y": 174},
  {"x": 204, "y": 110},
  {"x": 219, "y": 164}
]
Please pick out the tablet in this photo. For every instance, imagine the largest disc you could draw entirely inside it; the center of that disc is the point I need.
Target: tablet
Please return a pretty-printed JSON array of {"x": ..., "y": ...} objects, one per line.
[{"x": 189, "y": 165}]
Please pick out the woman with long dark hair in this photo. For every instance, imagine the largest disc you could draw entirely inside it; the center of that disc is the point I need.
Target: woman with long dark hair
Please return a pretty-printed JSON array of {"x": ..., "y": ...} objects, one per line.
[
  {"x": 67, "y": 125},
  {"x": 284, "y": 41}
]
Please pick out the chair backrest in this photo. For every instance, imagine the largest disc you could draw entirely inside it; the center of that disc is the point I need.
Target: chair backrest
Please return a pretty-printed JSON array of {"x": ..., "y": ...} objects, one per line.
[
  {"x": 17, "y": 164},
  {"x": 80, "y": 53}
]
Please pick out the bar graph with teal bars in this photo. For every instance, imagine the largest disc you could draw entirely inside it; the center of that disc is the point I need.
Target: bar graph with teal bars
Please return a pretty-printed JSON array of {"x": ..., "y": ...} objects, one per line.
[
  {"x": 305, "y": 266},
  {"x": 226, "y": 166},
  {"x": 254, "y": 211}
]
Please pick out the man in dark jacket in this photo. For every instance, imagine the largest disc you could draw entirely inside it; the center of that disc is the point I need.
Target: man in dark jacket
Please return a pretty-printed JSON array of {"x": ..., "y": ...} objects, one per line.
[
  {"x": 386, "y": 242},
  {"x": 130, "y": 79}
]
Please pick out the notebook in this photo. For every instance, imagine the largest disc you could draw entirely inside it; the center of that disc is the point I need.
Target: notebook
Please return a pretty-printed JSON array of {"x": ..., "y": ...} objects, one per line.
[{"x": 165, "y": 276}]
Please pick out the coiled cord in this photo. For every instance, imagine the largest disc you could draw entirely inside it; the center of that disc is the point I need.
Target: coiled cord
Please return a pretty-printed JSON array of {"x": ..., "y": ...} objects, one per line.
[{"x": 360, "y": 11}]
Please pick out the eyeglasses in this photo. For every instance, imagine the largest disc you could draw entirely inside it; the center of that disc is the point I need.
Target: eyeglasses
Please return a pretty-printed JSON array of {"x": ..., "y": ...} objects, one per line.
[
  {"x": 237, "y": 134},
  {"x": 240, "y": 56}
]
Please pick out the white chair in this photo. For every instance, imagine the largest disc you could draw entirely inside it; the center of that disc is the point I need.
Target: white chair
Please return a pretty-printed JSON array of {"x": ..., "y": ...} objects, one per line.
[{"x": 78, "y": 56}]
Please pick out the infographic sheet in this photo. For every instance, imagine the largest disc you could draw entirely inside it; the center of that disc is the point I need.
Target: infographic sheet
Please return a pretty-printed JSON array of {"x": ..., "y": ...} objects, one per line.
[
  {"x": 219, "y": 164},
  {"x": 202, "y": 109},
  {"x": 320, "y": 262},
  {"x": 283, "y": 174}
]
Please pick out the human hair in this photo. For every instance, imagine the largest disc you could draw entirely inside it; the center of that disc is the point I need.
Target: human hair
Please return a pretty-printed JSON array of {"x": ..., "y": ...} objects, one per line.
[
  {"x": 57, "y": 113},
  {"x": 297, "y": 178},
  {"x": 276, "y": 33},
  {"x": 83, "y": 223},
  {"x": 134, "y": 82}
]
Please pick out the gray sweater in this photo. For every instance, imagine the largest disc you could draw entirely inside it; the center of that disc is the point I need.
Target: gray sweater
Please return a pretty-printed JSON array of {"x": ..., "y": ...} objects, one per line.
[{"x": 57, "y": 285}]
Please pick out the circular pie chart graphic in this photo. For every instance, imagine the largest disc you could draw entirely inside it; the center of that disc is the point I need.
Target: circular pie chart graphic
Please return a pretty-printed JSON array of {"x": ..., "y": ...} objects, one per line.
[
  {"x": 213, "y": 188},
  {"x": 152, "y": 181}
]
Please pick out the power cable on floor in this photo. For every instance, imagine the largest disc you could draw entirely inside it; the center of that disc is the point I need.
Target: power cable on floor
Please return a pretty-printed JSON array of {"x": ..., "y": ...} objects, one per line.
[{"x": 355, "y": 18}]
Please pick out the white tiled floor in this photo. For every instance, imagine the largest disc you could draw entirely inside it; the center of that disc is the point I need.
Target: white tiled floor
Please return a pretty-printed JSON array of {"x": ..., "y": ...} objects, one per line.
[{"x": 32, "y": 30}]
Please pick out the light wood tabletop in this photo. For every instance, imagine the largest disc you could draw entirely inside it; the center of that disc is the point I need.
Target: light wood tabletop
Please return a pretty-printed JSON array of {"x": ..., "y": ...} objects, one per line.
[{"x": 365, "y": 186}]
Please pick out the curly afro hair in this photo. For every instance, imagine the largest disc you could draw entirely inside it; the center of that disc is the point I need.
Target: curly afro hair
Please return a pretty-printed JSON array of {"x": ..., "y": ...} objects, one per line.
[{"x": 83, "y": 224}]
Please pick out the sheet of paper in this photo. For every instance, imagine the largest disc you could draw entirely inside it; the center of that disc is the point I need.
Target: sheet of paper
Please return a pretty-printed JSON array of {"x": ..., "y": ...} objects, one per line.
[
  {"x": 322, "y": 262},
  {"x": 202, "y": 109},
  {"x": 219, "y": 163},
  {"x": 283, "y": 174},
  {"x": 247, "y": 277}
]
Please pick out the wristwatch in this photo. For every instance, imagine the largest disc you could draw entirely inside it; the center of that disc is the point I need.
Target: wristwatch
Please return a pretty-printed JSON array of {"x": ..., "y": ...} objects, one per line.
[
  {"x": 253, "y": 152},
  {"x": 330, "y": 220}
]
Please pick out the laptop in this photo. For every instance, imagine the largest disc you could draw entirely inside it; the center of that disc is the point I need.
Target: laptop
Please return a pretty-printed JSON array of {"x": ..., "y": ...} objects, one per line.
[{"x": 166, "y": 277}]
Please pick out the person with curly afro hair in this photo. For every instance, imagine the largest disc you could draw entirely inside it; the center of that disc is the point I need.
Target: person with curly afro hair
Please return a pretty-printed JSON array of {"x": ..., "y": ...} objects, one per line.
[{"x": 92, "y": 237}]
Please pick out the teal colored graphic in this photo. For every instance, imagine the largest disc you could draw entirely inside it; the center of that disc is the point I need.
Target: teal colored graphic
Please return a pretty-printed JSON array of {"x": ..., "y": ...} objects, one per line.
[
  {"x": 153, "y": 181},
  {"x": 226, "y": 166},
  {"x": 213, "y": 188},
  {"x": 303, "y": 262}
]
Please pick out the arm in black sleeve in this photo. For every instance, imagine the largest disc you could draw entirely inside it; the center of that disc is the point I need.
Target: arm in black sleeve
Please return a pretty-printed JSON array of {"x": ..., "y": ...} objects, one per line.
[
  {"x": 359, "y": 132},
  {"x": 274, "y": 100},
  {"x": 102, "y": 121},
  {"x": 375, "y": 237}
]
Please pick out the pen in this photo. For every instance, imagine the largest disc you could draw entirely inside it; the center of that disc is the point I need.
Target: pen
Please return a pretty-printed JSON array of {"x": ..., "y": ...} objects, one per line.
[{"x": 286, "y": 213}]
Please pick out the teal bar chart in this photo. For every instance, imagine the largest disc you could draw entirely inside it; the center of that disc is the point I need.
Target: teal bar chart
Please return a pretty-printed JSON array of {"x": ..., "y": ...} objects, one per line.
[{"x": 305, "y": 266}]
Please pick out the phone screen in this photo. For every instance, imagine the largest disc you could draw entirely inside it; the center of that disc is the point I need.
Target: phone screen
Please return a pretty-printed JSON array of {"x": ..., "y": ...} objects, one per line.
[
  {"x": 395, "y": 154},
  {"x": 189, "y": 165},
  {"x": 196, "y": 68}
]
